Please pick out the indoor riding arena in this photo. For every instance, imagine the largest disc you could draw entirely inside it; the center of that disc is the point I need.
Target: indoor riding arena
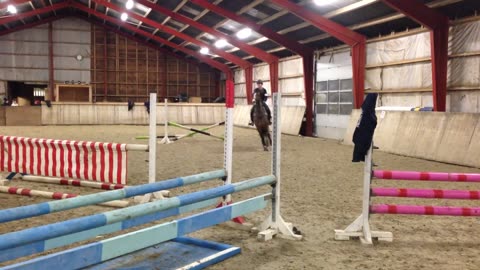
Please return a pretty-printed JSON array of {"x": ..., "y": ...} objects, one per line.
[{"x": 246, "y": 134}]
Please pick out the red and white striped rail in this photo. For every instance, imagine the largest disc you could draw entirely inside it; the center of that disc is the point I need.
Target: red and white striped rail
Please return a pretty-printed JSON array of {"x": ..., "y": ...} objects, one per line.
[
  {"x": 53, "y": 195},
  {"x": 70, "y": 182},
  {"x": 95, "y": 161}
]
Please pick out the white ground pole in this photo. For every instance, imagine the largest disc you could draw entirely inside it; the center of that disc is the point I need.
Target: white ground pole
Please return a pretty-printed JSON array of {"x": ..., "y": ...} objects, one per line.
[
  {"x": 228, "y": 149},
  {"x": 165, "y": 139},
  {"x": 274, "y": 223},
  {"x": 360, "y": 228}
]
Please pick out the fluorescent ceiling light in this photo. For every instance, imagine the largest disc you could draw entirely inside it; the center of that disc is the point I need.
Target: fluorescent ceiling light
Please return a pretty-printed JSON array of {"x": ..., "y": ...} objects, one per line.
[
  {"x": 221, "y": 43},
  {"x": 204, "y": 50},
  {"x": 244, "y": 33},
  {"x": 129, "y": 4},
  {"x": 12, "y": 9},
  {"x": 124, "y": 16}
]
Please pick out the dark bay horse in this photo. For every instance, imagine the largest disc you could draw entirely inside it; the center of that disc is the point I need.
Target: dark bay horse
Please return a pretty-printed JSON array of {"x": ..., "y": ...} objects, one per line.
[{"x": 260, "y": 119}]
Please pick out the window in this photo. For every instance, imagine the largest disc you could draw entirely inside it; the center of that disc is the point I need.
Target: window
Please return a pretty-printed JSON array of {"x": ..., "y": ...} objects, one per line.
[
  {"x": 38, "y": 92},
  {"x": 334, "y": 97}
]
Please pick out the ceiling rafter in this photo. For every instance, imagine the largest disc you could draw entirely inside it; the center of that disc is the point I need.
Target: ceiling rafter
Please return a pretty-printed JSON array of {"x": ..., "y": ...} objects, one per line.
[
  {"x": 143, "y": 33},
  {"x": 328, "y": 15},
  {"x": 177, "y": 8},
  {"x": 32, "y": 24},
  {"x": 181, "y": 18},
  {"x": 240, "y": 12},
  {"x": 33, "y": 13},
  {"x": 33, "y": 8},
  {"x": 230, "y": 57},
  {"x": 198, "y": 17},
  {"x": 267, "y": 32}
]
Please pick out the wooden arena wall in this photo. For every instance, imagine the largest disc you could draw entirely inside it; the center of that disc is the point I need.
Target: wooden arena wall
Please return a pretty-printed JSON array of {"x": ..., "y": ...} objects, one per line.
[{"x": 134, "y": 70}]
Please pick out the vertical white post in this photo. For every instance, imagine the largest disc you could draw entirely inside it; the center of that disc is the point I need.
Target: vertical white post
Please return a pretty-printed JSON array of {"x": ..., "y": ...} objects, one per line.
[
  {"x": 367, "y": 181},
  {"x": 360, "y": 228},
  {"x": 228, "y": 149},
  {"x": 165, "y": 139},
  {"x": 152, "y": 139},
  {"x": 276, "y": 154},
  {"x": 274, "y": 223}
]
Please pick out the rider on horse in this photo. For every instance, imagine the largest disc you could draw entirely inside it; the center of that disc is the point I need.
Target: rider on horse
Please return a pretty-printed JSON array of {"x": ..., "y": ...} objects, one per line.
[{"x": 263, "y": 94}]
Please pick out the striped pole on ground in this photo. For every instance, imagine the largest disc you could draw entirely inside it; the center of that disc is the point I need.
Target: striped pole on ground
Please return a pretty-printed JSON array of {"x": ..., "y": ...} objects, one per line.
[
  {"x": 54, "y": 195},
  {"x": 70, "y": 182},
  {"x": 56, "y": 206}
]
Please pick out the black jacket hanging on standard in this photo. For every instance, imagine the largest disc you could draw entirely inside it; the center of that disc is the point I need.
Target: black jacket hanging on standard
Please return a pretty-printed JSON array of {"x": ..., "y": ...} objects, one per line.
[{"x": 363, "y": 135}]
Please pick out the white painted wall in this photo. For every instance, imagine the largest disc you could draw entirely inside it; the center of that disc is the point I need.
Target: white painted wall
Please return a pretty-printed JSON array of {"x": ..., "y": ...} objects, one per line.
[
  {"x": 290, "y": 81},
  {"x": 463, "y": 72}
]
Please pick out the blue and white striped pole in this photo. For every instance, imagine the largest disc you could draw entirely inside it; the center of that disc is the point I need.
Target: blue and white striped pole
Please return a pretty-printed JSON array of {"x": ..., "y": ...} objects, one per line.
[
  {"x": 56, "y": 206},
  {"x": 26, "y": 236}
]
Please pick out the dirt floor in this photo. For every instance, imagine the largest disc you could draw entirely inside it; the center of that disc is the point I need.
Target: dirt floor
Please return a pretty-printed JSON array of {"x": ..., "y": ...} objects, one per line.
[{"x": 321, "y": 191}]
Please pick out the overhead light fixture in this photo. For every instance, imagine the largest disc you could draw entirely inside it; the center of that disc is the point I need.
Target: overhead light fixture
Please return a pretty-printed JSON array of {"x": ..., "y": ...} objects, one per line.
[
  {"x": 124, "y": 16},
  {"x": 221, "y": 43},
  {"x": 244, "y": 33},
  {"x": 129, "y": 4},
  {"x": 323, "y": 2},
  {"x": 204, "y": 50},
  {"x": 12, "y": 9}
]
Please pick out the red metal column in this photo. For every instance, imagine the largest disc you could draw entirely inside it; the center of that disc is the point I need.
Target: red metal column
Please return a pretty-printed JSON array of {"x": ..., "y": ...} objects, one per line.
[
  {"x": 358, "y": 65},
  {"x": 249, "y": 84},
  {"x": 274, "y": 76},
  {"x": 105, "y": 66},
  {"x": 51, "y": 79},
  {"x": 229, "y": 90},
  {"x": 439, "y": 43},
  {"x": 308, "y": 74},
  {"x": 165, "y": 77}
]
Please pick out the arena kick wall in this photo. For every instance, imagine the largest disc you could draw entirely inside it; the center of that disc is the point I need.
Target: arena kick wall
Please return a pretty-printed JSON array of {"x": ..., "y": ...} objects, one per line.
[{"x": 445, "y": 137}]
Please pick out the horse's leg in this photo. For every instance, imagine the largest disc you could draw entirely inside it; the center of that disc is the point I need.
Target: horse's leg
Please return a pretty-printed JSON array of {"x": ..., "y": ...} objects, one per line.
[
  {"x": 270, "y": 138},
  {"x": 261, "y": 137},
  {"x": 265, "y": 144}
]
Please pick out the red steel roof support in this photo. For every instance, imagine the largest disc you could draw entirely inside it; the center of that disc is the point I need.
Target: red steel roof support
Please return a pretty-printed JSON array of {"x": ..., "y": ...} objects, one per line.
[
  {"x": 12, "y": 2},
  {"x": 439, "y": 26},
  {"x": 261, "y": 54},
  {"x": 30, "y": 25},
  {"x": 230, "y": 57},
  {"x": 33, "y": 12}
]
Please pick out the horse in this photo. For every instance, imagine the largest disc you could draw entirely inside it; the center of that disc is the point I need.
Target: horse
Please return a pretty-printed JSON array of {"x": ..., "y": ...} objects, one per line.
[{"x": 260, "y": 119}]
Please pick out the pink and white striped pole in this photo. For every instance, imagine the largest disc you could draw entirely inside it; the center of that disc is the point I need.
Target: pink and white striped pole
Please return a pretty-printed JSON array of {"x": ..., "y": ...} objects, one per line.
[
  {"x": 424, "y": 210},
  {"x": 427, "y": 176},
  {"x": 426, "y": 193}
]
